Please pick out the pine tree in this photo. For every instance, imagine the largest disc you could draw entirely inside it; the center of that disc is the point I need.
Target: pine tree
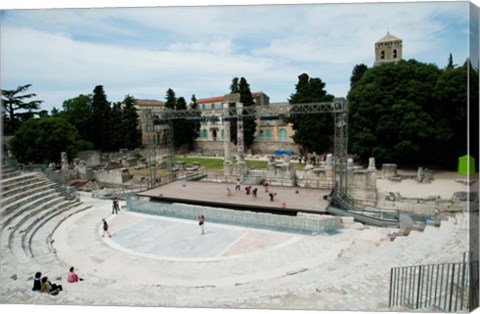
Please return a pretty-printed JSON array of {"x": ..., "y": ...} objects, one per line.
[{"x": 13, "y": 105}]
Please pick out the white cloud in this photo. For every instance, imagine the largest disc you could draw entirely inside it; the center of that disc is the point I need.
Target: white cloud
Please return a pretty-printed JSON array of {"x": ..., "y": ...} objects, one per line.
[{"x": 198, "y": 50}]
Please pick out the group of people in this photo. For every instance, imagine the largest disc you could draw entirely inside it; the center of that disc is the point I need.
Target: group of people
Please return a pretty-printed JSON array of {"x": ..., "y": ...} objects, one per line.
[
  {"x": 311, "y": 158},
  {"x": 42, "y": 284},
  {"x": 253, "y": 190}
]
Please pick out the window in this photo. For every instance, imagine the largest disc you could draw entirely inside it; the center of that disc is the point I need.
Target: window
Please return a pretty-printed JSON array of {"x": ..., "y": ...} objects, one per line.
[
  {"x": 283, "y": 135},
  {"x": 382, "y": 55},
  {"x": 204, "y": 133},
  {"x": 203, "y": 106},
  {"x": 394, "y": 53},
  {"x": 268, "y": 134},
  {"x": 213, "y": 106}
]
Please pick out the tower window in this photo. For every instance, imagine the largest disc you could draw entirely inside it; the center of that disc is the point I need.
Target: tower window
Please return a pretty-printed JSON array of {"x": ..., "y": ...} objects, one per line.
[
  {"x": 382, "y": 55},
  {"x": 394, "y": 53}
]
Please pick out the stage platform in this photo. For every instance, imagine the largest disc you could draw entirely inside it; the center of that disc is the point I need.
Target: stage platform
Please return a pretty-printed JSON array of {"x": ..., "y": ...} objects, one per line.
[{"x": 287, "y": 201}]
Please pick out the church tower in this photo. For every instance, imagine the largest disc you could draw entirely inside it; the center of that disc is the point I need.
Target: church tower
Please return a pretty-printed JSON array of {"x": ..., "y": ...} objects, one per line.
[{"x": 388, "y": 49}]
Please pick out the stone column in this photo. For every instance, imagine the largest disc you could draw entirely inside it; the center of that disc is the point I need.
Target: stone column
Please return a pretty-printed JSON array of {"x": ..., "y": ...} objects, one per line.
[
  {"x": 227, "y": 165},
  {"x": 241, "y": 167},
  {"x": 227, "y": 162},
  {"x": 329, "y": 167}
]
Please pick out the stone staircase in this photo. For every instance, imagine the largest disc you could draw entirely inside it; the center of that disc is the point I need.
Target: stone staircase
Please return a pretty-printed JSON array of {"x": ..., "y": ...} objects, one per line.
[{"x": 31, "y": 208}]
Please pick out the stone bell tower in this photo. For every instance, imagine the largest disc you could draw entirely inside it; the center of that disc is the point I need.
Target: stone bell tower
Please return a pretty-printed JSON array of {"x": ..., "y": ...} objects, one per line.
[{"x": 388, "y": 49}]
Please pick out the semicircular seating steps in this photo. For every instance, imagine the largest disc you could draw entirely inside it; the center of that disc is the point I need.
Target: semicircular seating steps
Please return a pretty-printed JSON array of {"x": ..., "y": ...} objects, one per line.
[{"x": 32, "y": 207}]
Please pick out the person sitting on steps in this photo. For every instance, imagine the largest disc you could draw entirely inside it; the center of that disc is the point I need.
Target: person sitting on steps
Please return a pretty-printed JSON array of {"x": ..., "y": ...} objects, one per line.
[
  {"x": 72, "y": 276},
  {"x": 49, "y": 287},
  {"x": 37, "y": 281}
]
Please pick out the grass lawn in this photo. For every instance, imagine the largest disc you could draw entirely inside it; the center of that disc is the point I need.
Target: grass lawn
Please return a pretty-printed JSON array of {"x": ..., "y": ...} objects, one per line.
[
  {"x": 217, "y": 163},
  {"x": 213, "y": 164}
]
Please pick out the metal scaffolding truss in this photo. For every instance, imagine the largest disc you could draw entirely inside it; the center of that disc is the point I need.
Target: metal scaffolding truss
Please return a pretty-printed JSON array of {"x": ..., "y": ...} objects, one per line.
[{"x": 163, "y": 120}]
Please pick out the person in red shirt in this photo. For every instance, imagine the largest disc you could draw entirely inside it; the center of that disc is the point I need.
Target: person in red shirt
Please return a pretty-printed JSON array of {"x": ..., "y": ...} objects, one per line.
[{"x": 72, "y": 276}]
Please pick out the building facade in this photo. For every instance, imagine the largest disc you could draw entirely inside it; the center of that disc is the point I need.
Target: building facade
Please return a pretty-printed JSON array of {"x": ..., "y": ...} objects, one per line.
[
  {"x": 270, "y": 135},
  {"x": 144, "y": 107}
]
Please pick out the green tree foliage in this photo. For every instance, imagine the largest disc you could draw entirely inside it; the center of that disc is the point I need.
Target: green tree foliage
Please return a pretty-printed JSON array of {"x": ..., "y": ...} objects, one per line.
[
  {"x": 78, "y": 112},
  {"x": 130, "y": 124},
  {"x": 473, "y": 113},
  {"x": 235, "y": 87},
  {"x": 171, "y": 99},
  {"x": 249, "y": 125},
  {"x": 242, "y": 87},
  {"x": 115, "y": 128},
  {"x": 16, "y": 109},
  {"x": 109, "y": 127},
  {"x": 184, "y": 132},
  {"x": 357, "y": 73},
  {"x": 312, "y": 131},
  {"x": 101, "y": 138},
  {"x": 451, "y": 112},
  {"x": 180, "y": 125},
  {"x": 194, "y": 126},
  {"x": 43, "y": 140},
  {"x": 409, "y": 113}
]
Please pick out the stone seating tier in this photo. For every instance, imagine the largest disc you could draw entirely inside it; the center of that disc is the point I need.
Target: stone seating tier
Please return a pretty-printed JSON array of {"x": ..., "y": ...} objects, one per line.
[
  {"x": 20, "y": 193},
  {"x": 17, "y": 201},
  {"x": 30, "y": 215},
  {"x": 9, "y": 172},
  {"x": 11, "y": 185}
]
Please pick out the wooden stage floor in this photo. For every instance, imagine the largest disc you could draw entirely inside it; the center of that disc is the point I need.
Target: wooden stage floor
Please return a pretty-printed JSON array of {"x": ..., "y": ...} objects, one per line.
[{"x": 287, "y": 200}]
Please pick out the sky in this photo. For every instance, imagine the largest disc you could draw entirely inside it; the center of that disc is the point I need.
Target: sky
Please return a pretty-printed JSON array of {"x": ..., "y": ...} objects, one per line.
[{"x": 143, "y": 51}]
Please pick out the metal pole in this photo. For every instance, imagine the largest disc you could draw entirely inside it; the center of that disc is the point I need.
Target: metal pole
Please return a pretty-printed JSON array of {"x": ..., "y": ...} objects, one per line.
[
  {"x": 418, "y": 285},
  {"x": 436, "y": 283},
  {"x": 451, "y": 288},
  {"x": 391, "y": 288}
]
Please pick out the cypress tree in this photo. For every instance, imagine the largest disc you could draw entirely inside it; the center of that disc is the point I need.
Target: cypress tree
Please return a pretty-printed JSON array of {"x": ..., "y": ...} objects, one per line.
[{"x": 100, "y": 120}]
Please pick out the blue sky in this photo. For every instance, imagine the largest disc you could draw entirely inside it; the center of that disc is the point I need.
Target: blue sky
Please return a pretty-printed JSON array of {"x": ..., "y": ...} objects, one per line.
[{"x": 198, "y": 50}]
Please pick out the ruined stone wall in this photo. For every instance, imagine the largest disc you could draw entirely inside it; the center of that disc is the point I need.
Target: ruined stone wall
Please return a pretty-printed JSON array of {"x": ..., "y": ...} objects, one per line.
[
  {"x": 117, "y": 176},
  {"x": 92, "y": 158},
  {"x": 211, "y": 148},
  {"x": 215, "y": 148},
  {"x": 362, "y": 186},
  {"x": 269, "y": 148}
]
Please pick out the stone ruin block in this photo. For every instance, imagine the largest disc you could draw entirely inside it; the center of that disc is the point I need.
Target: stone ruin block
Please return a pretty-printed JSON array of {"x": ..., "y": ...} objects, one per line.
[
  {"x": 424, "y": 175},
  {"x": 117, "y": 176},
  {"x": 180, "y": 165},
  {"x": 389, "y": 171}
]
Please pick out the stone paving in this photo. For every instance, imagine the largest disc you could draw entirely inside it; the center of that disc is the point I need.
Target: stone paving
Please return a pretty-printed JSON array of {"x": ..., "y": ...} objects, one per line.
[{"x": 158, "y": 261}]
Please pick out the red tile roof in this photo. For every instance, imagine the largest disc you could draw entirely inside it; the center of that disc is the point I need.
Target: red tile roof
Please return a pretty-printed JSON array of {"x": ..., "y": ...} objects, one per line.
[
  {"x": 149, "y": 102},
  {"x": 220, "y": 98}
]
